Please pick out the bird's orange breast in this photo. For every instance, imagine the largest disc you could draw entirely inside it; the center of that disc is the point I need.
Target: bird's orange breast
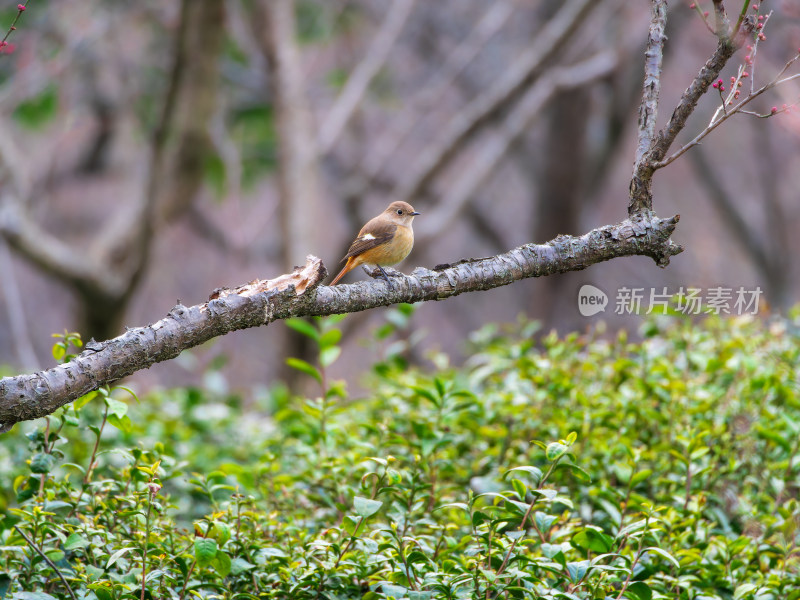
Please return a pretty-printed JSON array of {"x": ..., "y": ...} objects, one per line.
[{"x": 391, "y": 252}]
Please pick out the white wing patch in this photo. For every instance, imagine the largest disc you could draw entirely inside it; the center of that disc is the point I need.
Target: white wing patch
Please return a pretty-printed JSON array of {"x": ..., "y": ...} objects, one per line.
[{"x": 367, "y": 236}]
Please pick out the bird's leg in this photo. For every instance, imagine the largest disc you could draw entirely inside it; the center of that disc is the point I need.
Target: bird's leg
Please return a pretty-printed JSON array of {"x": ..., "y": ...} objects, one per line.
[{"x": 385, "y": 276}]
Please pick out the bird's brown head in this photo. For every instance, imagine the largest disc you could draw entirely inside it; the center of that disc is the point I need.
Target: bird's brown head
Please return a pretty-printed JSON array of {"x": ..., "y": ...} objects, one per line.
[{"x": 401, "y": 213}]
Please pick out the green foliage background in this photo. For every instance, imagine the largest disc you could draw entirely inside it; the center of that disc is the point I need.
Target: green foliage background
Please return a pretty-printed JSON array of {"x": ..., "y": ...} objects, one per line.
[{"x": 666, "y": 468}]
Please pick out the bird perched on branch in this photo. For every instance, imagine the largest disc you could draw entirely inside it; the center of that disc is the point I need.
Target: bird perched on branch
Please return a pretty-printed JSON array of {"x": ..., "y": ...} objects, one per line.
[{"x": 385, "y": 240}]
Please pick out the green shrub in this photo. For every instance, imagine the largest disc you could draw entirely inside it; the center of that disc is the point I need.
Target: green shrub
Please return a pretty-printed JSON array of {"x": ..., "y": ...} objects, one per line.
[{"x": 546, "y": 467}]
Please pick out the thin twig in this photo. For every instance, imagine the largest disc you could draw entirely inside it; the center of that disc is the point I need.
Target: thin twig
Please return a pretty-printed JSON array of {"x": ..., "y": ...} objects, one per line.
[
  {"x": 736, "y": 109},
  {"x": 4, "y": 41},
  {"x": 742, "y": 13},
  {"x": 47, "y": 560}
]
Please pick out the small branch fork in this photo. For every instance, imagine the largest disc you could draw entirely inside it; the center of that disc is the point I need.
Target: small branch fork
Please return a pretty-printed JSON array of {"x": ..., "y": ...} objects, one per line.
[
  {"x": 717, "y": 120},
  {"x": 26, "y": 397},
  {"x": 652, "y": 147}
]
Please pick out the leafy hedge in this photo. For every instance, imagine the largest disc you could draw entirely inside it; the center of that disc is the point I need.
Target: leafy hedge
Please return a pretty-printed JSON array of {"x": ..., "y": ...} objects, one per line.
[{"x": 546, "y": 467}]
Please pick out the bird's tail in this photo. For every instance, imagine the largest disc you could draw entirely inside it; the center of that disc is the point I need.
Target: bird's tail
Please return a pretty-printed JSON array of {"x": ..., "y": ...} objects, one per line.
[{"x": 347, "y": 267}]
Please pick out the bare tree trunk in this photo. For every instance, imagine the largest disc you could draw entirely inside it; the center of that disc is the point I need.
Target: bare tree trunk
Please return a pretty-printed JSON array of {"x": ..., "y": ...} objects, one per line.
[
  {"x": 105, "y": 278},
  {"x": 561, "y": 189},
  {"x": 301, "y": 210}
]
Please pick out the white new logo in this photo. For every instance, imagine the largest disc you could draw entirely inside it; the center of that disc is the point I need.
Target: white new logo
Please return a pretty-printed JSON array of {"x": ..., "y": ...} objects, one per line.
[{"x": 591, "y": 300}]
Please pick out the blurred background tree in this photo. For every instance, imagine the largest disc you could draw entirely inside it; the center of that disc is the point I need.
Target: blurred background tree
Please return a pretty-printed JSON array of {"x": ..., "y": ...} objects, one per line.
[{"x": 153, "y": 151}]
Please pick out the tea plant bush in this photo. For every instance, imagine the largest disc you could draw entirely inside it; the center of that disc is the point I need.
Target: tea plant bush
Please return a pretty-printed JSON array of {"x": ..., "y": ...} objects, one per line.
[{"x": 551, "y": 467}]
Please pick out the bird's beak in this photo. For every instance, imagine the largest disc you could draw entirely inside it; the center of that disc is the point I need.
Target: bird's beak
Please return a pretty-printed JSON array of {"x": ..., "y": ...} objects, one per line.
[{"x": 414, "y": 214}]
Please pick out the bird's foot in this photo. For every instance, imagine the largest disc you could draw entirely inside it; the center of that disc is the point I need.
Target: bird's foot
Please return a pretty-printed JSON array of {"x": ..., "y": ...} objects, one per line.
[{"x": 379, "y": 272}]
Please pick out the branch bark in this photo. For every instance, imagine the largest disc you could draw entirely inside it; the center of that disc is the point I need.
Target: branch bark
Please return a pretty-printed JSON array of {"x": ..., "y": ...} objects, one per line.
[{"x": 26, "y": 397}]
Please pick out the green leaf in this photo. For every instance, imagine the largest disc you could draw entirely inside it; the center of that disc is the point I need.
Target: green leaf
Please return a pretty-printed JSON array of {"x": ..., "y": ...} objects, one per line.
[
  {"x": 592, "y": 540},
  {"x": 221, "y": 532},
  {"x": 664, "y": 554},
  {"x": 544, "y": 521},
  {"x": 555, "y": 450},
  {"x": 112, "y": 560},
  {"x": 366, "y": 507},
  {"x": 577, "y": 570},
  {"x": 744, "y": 590},
  {"x": 394, "y": 591},
  {"x": 304, "y": 367},
  {"x": 328, "y": 356},
  {"x": 95, "y": 573},
  {"x": 126, "y": 389},
  {"x": 240, "y": 565},
  {"x": 221, "y": 563},
  {"x": 205, "y": 550},
  {"x": 32, "y": 596},
  {"x": 577, "y": 471},
  {"x": 639, "y": 590},
  {"x": 304, "y": 327},
  {"x": 84, "y": 400},
  {"x": 640, "y": 476},
  {"x": 75, "y": 541},
  {"x": 520, "y": 488},
  {"x": 42, "y": 462},
  {"x": 58, "y": 507},
  {"x": 534, "y": 472},
  {"x": 123, "y": 424},
  {"x": 460, "y": 505},
  {"x": 58, "y": 351},
  {"x": 426, "y": 393},
  {"x": 116, "y": 407},
  {"x": 55, "y": 555},
  {"x": 330, "y": 338}
]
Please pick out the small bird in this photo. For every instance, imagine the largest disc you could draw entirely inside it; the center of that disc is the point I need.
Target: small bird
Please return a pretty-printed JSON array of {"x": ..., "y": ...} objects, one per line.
[{"x": 385, "y": 240}]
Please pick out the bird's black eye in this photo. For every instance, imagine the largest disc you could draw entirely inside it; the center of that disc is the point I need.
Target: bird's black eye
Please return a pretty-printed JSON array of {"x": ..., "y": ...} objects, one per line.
[{"x": 399, "y": 211}]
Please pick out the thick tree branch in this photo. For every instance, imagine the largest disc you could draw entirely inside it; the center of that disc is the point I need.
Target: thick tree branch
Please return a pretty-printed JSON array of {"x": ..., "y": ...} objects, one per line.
[
  {"x": 26, "y": 397},
  {"x": 653, "y": 59}
]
